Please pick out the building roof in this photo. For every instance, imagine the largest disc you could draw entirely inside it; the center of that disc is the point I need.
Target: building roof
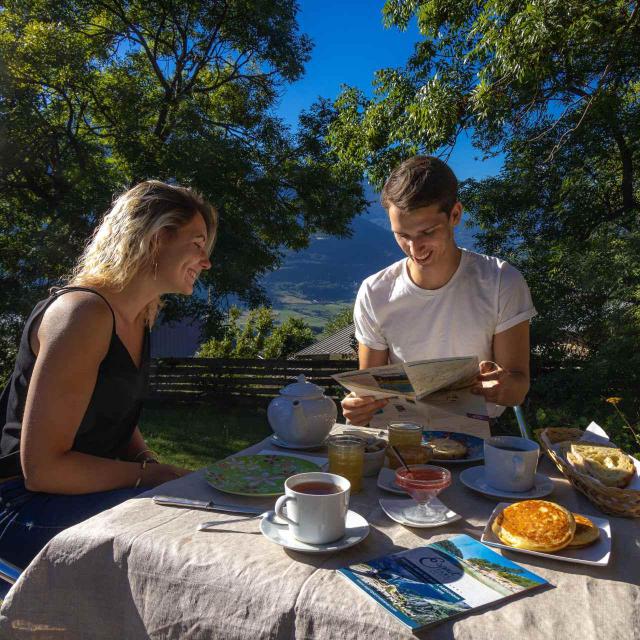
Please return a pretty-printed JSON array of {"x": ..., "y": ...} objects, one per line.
[{"x": 339, "y": 343}]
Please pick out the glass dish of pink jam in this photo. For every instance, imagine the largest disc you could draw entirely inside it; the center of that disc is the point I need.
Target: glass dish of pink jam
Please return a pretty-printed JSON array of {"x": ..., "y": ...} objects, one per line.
[{"x": 423, "y": 483}]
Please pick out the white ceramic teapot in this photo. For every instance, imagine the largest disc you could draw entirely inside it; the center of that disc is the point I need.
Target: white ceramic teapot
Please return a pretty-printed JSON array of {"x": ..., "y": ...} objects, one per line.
[{"x": 301, "y": 415}]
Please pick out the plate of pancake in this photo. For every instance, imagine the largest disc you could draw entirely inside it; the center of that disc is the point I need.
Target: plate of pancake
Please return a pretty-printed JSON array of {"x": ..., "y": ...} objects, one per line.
[
  {"x": 547, "y": 529},
  {"x": 453, "y": 447}
]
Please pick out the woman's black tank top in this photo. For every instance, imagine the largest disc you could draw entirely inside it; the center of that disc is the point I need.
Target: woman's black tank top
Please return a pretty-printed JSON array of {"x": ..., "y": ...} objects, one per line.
[{"x": 114, "y": 408}]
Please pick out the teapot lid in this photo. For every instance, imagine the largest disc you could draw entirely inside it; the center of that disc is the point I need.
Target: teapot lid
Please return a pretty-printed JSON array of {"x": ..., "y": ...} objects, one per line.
[{"x": 302, "y": 389}]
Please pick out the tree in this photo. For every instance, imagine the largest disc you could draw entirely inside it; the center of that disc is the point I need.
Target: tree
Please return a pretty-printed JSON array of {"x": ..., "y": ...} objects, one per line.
[
  {"x": 495, "y": 69},
  {"x": 555, "y": 86},
  {"x": 293, "y": 335},
  {"x": 339, "y": 321},
  {"x": 95, "y": 96},
  {"x": 259, "y": 337}
]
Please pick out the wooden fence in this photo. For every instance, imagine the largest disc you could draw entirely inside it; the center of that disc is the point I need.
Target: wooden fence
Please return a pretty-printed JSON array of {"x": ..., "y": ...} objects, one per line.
[{"x": 237, "y": 379}]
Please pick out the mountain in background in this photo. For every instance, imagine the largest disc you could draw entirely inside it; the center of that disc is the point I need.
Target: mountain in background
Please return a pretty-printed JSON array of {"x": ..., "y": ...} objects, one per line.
[
  {"x": 331, "y": 269},
  {"x": 317, "y": 282}
]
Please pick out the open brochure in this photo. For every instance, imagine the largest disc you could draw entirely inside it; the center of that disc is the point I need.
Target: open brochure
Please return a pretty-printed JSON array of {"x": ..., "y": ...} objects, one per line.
[
  {"x": 441, "y": 386},
  {"x": 446, "y": 579}
]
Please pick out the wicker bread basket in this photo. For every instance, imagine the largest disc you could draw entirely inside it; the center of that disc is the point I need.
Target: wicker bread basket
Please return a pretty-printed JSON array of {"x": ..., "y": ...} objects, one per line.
[{"x": 612, "y": 500}]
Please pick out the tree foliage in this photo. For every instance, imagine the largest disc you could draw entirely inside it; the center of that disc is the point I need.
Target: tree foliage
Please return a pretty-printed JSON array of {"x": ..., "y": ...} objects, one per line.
[
  {"x": 259, "y": 337},
  {"x": 339, "y": 321},
  {"x": 494, "y": 69},
  {"x": 555, "y": 87},
  {"x": 95, "y": 96}
]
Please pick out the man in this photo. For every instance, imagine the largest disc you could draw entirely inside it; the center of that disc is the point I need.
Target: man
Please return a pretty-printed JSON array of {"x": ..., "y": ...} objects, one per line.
[{"x": 441, "y": 301}]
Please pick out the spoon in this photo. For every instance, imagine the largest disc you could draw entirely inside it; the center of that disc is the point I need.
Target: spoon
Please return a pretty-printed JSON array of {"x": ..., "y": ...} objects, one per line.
[{"x": 396, "y": 453}]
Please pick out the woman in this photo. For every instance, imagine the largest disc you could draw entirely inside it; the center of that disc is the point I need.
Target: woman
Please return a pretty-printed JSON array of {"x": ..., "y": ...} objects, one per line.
[{"x": 70, "y": 444}]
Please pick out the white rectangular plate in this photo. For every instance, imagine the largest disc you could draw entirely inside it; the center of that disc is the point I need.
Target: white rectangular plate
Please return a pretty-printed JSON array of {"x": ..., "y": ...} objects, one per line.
[{"x": 596, "y": 554}]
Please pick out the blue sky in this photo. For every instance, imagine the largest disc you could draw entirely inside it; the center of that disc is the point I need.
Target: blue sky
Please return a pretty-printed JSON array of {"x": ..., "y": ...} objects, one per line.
[{"x": 351, "y": 43}]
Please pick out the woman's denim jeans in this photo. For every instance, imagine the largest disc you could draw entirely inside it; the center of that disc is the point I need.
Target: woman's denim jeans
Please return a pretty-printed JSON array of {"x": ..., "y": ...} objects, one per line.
[{"x": 28, "y": 519}]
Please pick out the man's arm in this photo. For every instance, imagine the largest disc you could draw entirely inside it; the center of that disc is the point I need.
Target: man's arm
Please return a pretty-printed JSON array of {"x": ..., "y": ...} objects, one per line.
[
  {"x": 510, "y": 381},
  {"x": 360, "y": 410},
  {"x": 368, "y": 357}
]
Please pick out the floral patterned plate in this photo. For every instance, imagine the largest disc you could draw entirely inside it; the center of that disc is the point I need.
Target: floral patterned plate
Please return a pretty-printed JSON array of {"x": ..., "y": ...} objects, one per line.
[{"x": 257, "y": 475}]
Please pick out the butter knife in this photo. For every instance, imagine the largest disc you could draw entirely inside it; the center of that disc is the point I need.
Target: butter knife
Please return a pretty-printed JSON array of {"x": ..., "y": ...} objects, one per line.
[{"x": 170, "y": 501}]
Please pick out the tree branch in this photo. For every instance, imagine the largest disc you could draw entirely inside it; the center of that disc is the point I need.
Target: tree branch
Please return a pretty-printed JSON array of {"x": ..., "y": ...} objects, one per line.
[{"x": 118, "y": 10}]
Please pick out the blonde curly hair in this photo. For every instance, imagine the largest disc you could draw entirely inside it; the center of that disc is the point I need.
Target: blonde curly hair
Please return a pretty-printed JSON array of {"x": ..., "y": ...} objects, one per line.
[{"x": 125, "y": 241}]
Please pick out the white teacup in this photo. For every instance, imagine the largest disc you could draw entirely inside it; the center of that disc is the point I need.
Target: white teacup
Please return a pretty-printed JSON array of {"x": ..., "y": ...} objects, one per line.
[
  {"x": 510, "y": 463},
  {"x": 313, "y": 515}
]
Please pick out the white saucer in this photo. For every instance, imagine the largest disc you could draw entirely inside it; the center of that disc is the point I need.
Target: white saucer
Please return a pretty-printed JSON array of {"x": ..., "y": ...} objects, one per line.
[
  {"x": 357, "y": 529},
  {"x": 387, "y": 481},
  {"x": 396, "y": 510},
  {"x": 474, "y": 479},
  {"x": 279, "y": 442}
]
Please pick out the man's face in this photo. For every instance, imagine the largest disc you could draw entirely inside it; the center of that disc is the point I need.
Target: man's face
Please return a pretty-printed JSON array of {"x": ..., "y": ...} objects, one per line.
[{"x": 425, "y": 234}]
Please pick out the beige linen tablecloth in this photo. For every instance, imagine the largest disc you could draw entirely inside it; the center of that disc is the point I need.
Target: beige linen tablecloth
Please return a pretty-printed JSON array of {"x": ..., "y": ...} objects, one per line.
[{"x": 143, "y": 571}]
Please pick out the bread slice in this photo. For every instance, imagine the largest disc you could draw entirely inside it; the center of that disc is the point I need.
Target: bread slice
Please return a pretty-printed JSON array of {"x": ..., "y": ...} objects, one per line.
[
  {"x": 606, "y": 463},
  {"x": 536, "y": 525}
]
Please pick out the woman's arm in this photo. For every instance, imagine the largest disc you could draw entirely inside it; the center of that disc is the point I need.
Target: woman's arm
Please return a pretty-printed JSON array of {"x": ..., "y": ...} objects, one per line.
[
  {"x": 137, "y": 449},
  {"x": 72, "y": 340}
]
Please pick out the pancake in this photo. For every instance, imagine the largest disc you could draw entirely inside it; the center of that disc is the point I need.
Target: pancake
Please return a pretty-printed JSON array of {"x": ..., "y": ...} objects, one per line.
[
  {"x": 447, "y": 449},
  {"x": 536, "y": 525},
  {"x": 586, "y": 532}
]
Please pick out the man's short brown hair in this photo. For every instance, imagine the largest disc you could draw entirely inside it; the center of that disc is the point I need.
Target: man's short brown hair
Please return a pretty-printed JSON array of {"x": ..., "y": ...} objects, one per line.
[{"x": 420, "y": 182}]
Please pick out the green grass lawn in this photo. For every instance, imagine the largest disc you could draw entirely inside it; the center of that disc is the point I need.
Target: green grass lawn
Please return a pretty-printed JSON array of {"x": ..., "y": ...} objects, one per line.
[{"x": 195, "y": 435}]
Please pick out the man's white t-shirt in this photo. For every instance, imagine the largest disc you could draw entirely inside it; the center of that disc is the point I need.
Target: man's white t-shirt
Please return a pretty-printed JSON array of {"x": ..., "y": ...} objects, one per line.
[{"x": 485, "y": 296}]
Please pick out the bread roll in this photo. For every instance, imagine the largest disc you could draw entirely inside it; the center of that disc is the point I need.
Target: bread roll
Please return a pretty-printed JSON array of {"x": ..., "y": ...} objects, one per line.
[{"x": 606, "y": 463}]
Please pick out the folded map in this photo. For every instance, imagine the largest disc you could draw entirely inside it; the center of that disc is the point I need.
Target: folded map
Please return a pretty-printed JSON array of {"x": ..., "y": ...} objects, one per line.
[{"x": 443, "y": 384}]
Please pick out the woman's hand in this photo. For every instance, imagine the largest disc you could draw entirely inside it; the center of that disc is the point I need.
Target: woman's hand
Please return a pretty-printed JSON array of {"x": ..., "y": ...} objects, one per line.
[
  {"x": 155, "y": 474},
  {"x": 500, "y": 386},
  {"x": 359, "y": 410}
]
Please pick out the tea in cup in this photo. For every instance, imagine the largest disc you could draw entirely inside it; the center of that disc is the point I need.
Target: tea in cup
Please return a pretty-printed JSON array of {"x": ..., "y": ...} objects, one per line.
[
  {"x": 510, "y": 463},
  {"x": 315, "y": 506}
]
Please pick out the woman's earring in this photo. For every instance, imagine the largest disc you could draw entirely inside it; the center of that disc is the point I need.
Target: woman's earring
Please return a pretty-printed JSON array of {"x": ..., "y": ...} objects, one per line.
[{"x": 155, "y": 270}]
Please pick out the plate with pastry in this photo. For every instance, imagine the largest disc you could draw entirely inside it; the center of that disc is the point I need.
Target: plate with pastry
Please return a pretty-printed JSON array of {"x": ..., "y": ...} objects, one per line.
[
  {"x": 547, "y": 529},
  {"x": 452, "y": 447}
]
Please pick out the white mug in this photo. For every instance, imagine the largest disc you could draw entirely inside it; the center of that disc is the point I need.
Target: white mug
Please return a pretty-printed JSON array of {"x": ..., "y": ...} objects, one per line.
[
  {"x": 315, "y": 518},
  {"x": 510, "y": 463}
]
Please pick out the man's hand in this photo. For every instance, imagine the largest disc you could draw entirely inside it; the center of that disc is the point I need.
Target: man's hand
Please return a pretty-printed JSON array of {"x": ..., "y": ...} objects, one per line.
[
  {"x": 359, "y": 410},
  {"x": 497, "y": 385}
]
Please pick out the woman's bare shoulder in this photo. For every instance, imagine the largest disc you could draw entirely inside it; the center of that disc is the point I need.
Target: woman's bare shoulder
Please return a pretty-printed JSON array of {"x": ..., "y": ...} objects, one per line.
[{"x": 79, "y": 316}]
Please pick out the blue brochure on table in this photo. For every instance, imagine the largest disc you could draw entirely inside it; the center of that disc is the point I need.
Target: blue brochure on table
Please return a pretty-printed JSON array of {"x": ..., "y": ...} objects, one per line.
[{"x": 449, "y": 578}]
